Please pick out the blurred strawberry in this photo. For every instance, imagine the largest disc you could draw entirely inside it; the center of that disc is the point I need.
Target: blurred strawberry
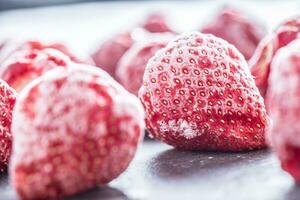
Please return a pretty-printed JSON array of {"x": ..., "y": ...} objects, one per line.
[
  {"x": 110, "y": 52},
  {"x": 238, "y": 29},
  {"x": 156, "y": 23},
  {"x": 282, "y": 99},
  {"x": 108, "y": 55},
  {"x": 132, "y": 65},
  {"x": 22, "y": 66},
  {"x": 12, "y": 46},
  {"x": 260, "y": 63}
]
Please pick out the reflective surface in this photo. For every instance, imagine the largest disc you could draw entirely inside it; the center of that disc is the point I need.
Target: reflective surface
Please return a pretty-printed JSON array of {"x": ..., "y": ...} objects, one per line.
[{"x": 161, "y": 172}]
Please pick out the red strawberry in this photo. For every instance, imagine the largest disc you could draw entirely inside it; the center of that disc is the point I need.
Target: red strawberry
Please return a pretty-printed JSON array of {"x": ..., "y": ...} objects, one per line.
[
  {"x": 198, "y": 94},
  {"x": 156, "y": 23},
  {"x": 23, "y": 66},
  {"x": 237, "y": 28},
  {"x": 131, "y": 67},
  {"x": 12, "y": 46},
  {"x": 263, "y": 56},
  {"x": 7, "y": 102},
  {"x": 74, "y": 128},
  {"x": 109, "y": 53},
  {"x": 283, "y": 98}
]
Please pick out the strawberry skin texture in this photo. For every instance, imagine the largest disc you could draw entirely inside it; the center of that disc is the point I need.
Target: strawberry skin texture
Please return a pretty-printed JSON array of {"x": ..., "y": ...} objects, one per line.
[
  {"x": 260, "y": 63},
  {"x": 131, "y": 67},
  {"x": 283, "y": 105},
  {"x": 7, "y": 102},
  {"x": 23, "y": 66},
  {"x": 74, "y": 128},
  {"x": 198, "y": 94},
  {"x": 238, "y": 29}
]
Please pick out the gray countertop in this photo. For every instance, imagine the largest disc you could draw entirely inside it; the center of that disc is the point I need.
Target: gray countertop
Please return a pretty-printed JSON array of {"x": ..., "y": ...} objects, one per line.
[{"x": 161, "y": 172}]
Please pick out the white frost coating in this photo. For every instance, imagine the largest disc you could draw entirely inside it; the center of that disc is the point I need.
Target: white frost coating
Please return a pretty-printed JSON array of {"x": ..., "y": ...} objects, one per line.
[
  {"x": 73, "y": 104},
  {"x": 40, "y": 62},
  {"x": 188, "y": 130},
  {"x": 181, "y": 46},
  {"x": 283, "y": 102}
]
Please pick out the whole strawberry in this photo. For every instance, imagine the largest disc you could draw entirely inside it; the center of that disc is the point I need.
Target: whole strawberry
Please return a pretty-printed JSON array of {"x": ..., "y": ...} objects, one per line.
[
  {"x": 74, "y": 128},
  {"x": 260, "y": 63},
  {"x": 23, "y": 66},
  {"x": 131, "y": 67},
  {"x": 283, "y": 98},
  {"x": 198, "y": 94},
  {"x": 238, "y": 29},
  {"x": 7, "y": 102}
]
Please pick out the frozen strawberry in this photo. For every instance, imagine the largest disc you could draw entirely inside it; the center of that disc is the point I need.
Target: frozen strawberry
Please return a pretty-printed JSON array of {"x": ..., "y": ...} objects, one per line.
[
  {"x": 23, "y": 66},
  {"x": 283, "y": 98},
  {"x": 131, "y": 67},
  {"x": 12, "y": 46},
  {"x": 109, "y": 53},
  {"x": 74, "y": 128},
  {"x": 261, "y": 61},
  {"x": 198, "y": 94},
  {"x": 237, "y": 28},
  {"x": 156, "y": 23},
  {"x": 7, "y": 102}
]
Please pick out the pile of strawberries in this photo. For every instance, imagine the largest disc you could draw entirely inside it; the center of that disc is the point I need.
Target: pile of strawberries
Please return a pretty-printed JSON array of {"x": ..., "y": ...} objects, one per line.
[{"x": 68, "y": 126}]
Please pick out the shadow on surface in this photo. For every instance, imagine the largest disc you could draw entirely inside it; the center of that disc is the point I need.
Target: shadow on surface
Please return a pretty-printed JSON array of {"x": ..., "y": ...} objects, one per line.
[
  {"x": 179, "y": 164},
  {"x": 6, "y": 191},
  {"x": 293, "y": 193},
  {"x": 105, "y": 193}
]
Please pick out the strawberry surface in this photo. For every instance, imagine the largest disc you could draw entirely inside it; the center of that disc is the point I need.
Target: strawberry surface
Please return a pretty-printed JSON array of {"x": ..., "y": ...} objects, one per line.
[
  {"x": 238, "y": 29},
  {"x": 74, "y": 128},
  {"x": 198, "y": 94},
  {"x": 260, "y": 63},
  {"x": 283, "y": 105},
  {"x": 23, "y": 66},
  {"x": 7, "y": 102}
]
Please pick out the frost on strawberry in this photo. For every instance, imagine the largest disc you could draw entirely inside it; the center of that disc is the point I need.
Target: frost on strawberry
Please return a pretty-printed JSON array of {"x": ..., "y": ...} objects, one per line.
[
  {"x": 7, "y": 102},
  {"x": 74, "y": 128},
  {"x": 23, "y": 66},
  {"x": 13, "y": 45},
  {"x": 260, "y": 63},
  {"x": 282, "y": 100},
  {"x": 198, "y": 94}
]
